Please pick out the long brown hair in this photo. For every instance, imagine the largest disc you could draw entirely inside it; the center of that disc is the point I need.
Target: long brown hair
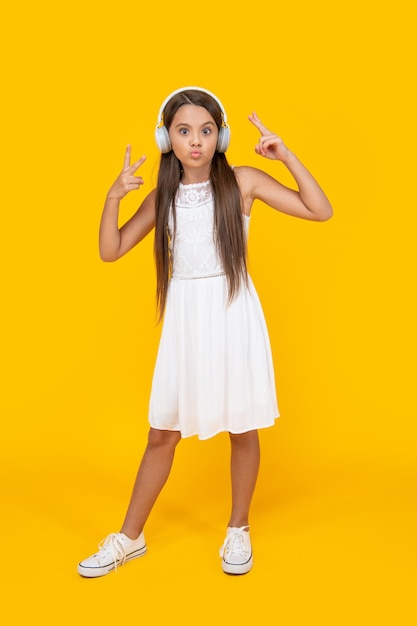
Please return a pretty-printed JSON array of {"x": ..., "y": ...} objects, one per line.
[{"x": 229, "y": 232}]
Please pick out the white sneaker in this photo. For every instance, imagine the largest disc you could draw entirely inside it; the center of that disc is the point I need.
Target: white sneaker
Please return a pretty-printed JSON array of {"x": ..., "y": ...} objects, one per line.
[
  {"x": 113, "y": 551},
  {"x": 236, "y": 551}
]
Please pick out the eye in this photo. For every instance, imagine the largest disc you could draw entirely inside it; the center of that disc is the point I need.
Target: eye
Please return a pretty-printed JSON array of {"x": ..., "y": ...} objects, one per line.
[
  {"x": 183, "y": 131},
  {"x": 206, "y": 131}
]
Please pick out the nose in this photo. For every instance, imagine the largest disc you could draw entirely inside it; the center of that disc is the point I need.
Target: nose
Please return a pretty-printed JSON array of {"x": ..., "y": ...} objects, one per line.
[{"x": 195, "y": 140}]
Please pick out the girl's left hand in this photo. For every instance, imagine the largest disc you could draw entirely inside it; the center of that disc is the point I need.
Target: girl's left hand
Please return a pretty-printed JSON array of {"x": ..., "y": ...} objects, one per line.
[{"x": 270, "y": 145}]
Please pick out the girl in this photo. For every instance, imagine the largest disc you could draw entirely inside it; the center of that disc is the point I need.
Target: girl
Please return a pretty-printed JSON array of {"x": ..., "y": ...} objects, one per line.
[{"x": 214, "y": 369}]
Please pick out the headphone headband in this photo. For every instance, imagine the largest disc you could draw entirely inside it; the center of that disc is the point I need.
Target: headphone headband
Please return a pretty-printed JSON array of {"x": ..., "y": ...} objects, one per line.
[
  {"x": 177, "y": 91},
  {"x": 161, "y": 133}
]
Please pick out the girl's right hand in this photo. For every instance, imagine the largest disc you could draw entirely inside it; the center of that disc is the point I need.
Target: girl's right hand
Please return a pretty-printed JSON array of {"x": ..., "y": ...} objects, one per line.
[{"x": 126, "y": 181}]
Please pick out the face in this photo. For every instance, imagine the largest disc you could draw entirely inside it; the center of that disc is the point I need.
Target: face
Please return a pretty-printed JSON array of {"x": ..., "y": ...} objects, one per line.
[{"x": 193, "y": 135}]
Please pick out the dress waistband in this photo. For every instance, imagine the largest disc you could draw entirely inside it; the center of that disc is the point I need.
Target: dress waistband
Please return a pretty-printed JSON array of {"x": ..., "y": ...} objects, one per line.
[{"x": 198, "y": 277}]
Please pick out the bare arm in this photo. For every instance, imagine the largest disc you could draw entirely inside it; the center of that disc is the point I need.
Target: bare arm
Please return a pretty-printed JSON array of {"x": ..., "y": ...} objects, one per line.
[
  {"x": 114, "y": 242},
  {"x": 309, "y": 202}
]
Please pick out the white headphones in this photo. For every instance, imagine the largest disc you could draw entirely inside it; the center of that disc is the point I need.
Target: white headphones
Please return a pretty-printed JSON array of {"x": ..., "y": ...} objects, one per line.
[{"x": 161, "y": 133}]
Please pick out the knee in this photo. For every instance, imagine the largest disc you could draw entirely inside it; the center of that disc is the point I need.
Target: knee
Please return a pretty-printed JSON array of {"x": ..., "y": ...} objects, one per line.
[
  {"x": 244, "y": 439},
  {"x": 163, "y": 438}
]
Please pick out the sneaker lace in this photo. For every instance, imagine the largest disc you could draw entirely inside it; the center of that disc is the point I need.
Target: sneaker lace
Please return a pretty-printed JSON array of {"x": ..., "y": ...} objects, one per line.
[
  {"x": 235, "y": 542},
  {"x": 113, "y": 545}
]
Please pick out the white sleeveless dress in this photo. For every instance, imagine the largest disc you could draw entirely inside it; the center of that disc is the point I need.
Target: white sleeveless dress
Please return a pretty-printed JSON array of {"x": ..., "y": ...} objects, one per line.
[{"x": 214, "y": 369}]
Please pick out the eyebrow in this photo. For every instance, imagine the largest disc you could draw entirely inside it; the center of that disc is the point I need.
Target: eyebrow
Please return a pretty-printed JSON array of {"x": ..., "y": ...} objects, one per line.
[{"x": 209, "y": 123}]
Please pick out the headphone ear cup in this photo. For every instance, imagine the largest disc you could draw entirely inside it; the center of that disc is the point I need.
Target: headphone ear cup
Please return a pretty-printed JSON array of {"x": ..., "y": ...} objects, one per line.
[
  {"x": 162, "y": 139},
  {"x": 223, "y": 139}
]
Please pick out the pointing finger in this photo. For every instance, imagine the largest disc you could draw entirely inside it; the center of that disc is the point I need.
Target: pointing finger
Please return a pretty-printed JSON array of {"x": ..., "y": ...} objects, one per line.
[
  {"x": 257, "y": 122},
  {"x": 126, "y": 164},
  {"x": 137, "y": 164}
]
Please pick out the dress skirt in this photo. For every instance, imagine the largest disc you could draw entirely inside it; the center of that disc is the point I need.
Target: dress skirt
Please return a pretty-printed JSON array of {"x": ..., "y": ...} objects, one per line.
[{"x": 214, "y": 369}]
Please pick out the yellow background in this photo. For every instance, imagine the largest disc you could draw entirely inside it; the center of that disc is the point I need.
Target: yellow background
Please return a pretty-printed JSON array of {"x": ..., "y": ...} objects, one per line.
[{"x": 334, "y": 515}]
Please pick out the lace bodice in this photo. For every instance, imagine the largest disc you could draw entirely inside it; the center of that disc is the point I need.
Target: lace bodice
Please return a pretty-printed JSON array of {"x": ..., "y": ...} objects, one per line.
[{"x": 194, "y": 252}]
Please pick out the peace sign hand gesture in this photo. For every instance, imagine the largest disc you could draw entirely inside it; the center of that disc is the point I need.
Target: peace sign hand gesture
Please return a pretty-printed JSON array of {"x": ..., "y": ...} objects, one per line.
[
  {"x": 126, "y": 181},
  {"x": 270, "y": 145}
]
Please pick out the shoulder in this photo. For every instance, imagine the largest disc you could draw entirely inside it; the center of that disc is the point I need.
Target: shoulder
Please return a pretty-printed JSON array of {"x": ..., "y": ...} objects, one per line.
[
  {"x": 149, "y": 201},
  {"x": 248, "y": 176},
  {"x": 243, "y": 173},
  {"x": 247, "y": 180},
  {"x": 255, "y": 184},
  {"x": 250, "y": 180},
  {"x": 151, "y": 196}
]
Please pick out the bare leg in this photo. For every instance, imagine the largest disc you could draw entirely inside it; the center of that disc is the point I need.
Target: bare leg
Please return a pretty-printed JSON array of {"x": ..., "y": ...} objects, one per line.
[
  {"x": 152, "y": 475},
  {"x": 244, "y": 468}
]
